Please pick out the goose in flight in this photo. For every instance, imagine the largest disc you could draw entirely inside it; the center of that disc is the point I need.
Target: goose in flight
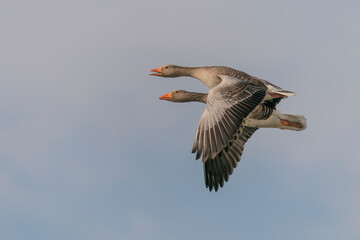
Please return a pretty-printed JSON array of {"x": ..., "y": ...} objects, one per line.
[
  {"x": 218, "y": 169},
  {"x": 232, "y": 97}
]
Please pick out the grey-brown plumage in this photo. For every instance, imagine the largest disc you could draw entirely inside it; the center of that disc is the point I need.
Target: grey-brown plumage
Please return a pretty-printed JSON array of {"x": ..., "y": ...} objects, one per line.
[
  {"x": 221, "y": 70},
  {"x": 228, "y": 104},
  {"x": 237, "y": 104},
  {"x": 264, "y": 109},
  {"x": 218, "y": 169}
]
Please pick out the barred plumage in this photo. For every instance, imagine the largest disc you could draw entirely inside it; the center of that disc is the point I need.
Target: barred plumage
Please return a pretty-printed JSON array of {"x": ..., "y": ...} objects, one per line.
[{"x": 237, "y": 104}]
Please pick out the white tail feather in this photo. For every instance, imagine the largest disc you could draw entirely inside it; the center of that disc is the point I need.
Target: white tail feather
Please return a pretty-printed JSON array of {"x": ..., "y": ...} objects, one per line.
[{"x": 285, "y": 93}]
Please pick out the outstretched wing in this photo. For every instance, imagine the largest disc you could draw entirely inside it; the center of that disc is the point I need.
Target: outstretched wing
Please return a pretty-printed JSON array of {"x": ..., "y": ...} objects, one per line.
[
  {"x": 228, "y": 104},
  {"x": 218, "y": 169}
]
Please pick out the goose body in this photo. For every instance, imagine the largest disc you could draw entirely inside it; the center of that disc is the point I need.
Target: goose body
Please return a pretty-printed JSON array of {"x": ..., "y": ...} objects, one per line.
[
  {"x": 236, "y": 105},
  {"x": 218, "y": 169}
]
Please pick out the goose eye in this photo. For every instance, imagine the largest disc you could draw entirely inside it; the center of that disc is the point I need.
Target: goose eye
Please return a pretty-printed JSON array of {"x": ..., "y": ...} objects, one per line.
[
  {"x": 176, "y": 91},
  {"x": 166, "y": 67}
]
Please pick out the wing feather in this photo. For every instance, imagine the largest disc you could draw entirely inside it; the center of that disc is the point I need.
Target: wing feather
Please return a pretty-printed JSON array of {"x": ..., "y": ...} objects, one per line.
[
  {"x": 217, "y": 170},
  {"x": 228, "y": 104}
]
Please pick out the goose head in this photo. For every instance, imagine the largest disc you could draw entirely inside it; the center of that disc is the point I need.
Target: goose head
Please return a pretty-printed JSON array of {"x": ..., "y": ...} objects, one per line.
[
  {"x": 184, "y": 96},
  {"x": 167, "y": 71},
  {"x": 176, "y": 96}
]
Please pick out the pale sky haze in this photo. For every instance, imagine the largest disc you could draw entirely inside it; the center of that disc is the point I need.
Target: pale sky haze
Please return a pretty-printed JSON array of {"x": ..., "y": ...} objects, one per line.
[{"x": 89, "y": 152}]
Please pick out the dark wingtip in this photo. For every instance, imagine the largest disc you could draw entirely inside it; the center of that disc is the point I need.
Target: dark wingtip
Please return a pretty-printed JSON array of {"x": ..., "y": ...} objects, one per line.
[
  {"x": 193, "y": 149},
  {"x": 198, "y": 155},
  {"x": 210, "y": 187}
]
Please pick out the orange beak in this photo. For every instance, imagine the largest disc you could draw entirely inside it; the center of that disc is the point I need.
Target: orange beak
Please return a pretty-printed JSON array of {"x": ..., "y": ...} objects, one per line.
[
  {"x": 166, "y": 96},
  {"x": 157, "y": 72}
]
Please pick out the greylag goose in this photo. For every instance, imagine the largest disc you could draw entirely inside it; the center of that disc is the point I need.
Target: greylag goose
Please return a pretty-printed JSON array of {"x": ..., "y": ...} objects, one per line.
[
  {"x": 218, "y": 169},
  {"x": 232, "y": 97}
]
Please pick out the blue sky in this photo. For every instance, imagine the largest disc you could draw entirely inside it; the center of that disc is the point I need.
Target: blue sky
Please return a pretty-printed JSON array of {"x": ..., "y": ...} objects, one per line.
[{"x": 89, "y": 152}]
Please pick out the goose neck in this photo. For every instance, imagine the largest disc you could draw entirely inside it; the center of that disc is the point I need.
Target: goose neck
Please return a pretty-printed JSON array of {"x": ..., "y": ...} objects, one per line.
[
  {"x": 196, "y": 97},
  {"x": 206, "y": 75}
]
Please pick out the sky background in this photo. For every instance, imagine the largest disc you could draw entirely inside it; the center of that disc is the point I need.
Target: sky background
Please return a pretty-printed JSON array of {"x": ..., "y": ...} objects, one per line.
[{"x": 87, "y": 151}]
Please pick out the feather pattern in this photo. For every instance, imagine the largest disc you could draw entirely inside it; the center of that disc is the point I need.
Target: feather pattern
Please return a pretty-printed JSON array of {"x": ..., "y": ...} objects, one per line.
[
  {"x": 237, "y": 105},
  {"x": 229, "y": 103},
  {"x": 218, "y": 169}
]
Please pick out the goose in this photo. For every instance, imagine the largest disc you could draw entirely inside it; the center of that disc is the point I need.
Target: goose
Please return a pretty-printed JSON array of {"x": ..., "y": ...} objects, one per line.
[
  {"x": 218, "y": 169},
  {"x": 233, "y": 95}
]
